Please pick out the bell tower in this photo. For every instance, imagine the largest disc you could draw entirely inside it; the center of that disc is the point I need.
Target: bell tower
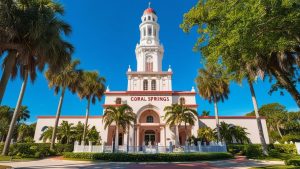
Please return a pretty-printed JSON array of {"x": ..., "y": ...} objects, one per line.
[{"x": 149, "y": 52}]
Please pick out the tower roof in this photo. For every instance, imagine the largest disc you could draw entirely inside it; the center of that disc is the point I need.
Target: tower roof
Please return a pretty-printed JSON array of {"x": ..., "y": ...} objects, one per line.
[{"x": 149, "y": 11}]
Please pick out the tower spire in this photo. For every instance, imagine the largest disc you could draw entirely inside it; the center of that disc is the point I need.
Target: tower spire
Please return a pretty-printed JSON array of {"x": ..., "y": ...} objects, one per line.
[{"x": 149, "y": 5}]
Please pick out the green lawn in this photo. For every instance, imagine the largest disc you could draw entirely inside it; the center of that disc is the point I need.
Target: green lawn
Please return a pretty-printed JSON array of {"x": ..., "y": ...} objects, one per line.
[
  {"x": 277, "y": 167},
  {"x": 8, "y": 158}
]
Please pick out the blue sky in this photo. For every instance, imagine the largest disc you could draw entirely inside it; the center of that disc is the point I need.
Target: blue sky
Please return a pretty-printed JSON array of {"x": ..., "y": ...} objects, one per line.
[{"x": 105, "y": 34}]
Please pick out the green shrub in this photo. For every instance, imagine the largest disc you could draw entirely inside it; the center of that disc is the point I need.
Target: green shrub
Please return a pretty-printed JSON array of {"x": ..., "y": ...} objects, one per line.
[
  {"x": 286, "y": 148},
  {"x": 236, "y": 148},
  {"x": 37, "y": 150},
  {"x": 253, "y": 150},
  {"x": 290, "y": 137},
  {"x": 294, "y": 161},
  {"x": 122, "y": 157}
]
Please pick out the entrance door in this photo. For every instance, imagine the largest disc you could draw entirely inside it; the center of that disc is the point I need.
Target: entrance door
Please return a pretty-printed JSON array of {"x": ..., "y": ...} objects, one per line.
[{"x": 149, "y": 137}]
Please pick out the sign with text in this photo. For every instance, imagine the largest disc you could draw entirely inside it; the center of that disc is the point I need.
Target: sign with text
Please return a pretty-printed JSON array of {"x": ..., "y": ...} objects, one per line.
[{"x": 150, "y": 98}]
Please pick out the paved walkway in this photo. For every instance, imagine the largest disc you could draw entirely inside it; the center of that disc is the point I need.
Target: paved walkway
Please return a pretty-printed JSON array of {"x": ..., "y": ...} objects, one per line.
[{"x": 238, "y": 163}]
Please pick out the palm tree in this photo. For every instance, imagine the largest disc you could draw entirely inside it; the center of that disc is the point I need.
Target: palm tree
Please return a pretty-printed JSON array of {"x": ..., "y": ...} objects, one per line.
[
  {"x": 23, "y": 130},
  {"x": 66, "y": 132},
  {"x": 43, "y": 44},
  {"x": 177, "y": 114},
  {"x": 91, "y": 88},
  {"x": 79, "y": 128},
  {"x": 213, "y": 86},
  {"x": 240, "y": 135},
  {"x": 122, "y": 116},
  {"x": 68, "y": 77},
  {"x": 205, "y": 113},
  {"x": 31, "y": 28},
  {"x": 206, "y": 134},
  {"x": 47, "y": 134}
]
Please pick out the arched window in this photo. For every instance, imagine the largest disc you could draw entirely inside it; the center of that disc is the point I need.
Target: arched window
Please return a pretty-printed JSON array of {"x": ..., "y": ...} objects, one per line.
[
  {"x": 154, "y": 34},
  {"x": 149, "y": 64},
  {"x": 182, "y": 100},
  {"x": 149, "y": 18},
  {"x": 153, "y": 84},
  {"x": 149, "y": 119},
  {"x": 153, "y": 19},
  {"x": 144, "y": 31},
  {"x": 145, "y": 85},
  {"x": 144, "y": 18},
  {"x": 118, "y": 101},
  {"x": 44, "y": 128},
  {"x": 149, "y": 31}
]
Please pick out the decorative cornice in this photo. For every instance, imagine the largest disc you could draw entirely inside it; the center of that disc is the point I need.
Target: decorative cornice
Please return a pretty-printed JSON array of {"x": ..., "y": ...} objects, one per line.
[
  {"x": 69, "y": 117},
  {"x": 171, "y": 93},
  {"x": 229, "y": 117}
]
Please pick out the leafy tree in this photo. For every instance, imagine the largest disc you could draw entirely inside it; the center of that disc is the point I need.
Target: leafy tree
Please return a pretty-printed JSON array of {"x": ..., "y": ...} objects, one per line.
[
  {"x": 213, "y": 86},
  {"x": 176, "y": 114},
  {"x": 122, "y": 116},
  {"x": 47, "y": 134},
  {"x": 91, "y": 88},
  {"x": 40, "y": 36},
  {"x": 250, "y": 31},
  {"x": 230, "y": 132},
  {"x": 25, "y": 131},
  {"x": 67, "y": 77}
]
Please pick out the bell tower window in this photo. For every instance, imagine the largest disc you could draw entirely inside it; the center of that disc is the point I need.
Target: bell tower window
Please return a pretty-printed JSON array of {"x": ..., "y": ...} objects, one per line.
[
  {"x": 145, "y": 84},
  {"x": 149, "y": 64},
  {"x": 182, "y": 101},
  {"x": 153, "y": 85},
  {"x": 149, "y": 31}
]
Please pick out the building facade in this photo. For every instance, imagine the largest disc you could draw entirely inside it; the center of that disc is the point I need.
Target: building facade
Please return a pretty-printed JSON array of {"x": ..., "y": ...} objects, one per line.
[{"x": 149, "y": 91}]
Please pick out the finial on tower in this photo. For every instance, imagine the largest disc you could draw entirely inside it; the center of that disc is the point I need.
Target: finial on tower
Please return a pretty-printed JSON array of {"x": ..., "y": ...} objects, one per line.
[
  {"x": 170, "y": 69},
  {"x": 107, "y": 88},
  {"x": 193, "y": 89},
  {"x": 149, "y": 5},
  {"x": 129, "y": 68}
]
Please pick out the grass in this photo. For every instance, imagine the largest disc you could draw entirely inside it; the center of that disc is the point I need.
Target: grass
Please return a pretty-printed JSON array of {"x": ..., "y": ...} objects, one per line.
[
  {"x": 15, "y": 158},
  {"x": 279, "y": 157},
  {"x": 4, "y": 167},
  {"x": 277, "y": 167}
]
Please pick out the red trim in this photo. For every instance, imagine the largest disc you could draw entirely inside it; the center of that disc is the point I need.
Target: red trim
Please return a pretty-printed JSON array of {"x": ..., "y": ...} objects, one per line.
[
  {"x": 149, "y": 73},
  {"x": 150, "y": 93},
  {"x": 68, "y": 117},
  {"x": 116, "y": 105},
  {"x": 230, "y": 117}
]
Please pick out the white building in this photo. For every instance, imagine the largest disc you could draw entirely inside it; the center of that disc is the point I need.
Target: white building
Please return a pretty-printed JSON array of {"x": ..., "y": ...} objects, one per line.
[{"x": 149, "y": 90}]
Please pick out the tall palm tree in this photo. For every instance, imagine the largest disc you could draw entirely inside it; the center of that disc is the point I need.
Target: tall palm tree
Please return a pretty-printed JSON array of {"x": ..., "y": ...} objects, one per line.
[
  {"x": 122, "y": 116},
  {"x": 213, "y": 86},
  {"x": 43, "y": 45},
  {"x": 68, "y": 77},
  {"x": 79, "y": 130},
  {"x": 31, "y": 28},
  {"x": 91, "y": 88},
  {"x": 177, "y": 114}
]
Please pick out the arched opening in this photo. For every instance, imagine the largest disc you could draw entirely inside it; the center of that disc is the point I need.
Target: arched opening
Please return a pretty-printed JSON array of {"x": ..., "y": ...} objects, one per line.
[
  {"x": 149, "y": 119},
  {"x": 182, "y": 101},
  {"x": 118, "y": 101},
  {"x": 149, "y": 64},
  {"x": 145, "y": 84},
  {"x": 153, "y": 84}
]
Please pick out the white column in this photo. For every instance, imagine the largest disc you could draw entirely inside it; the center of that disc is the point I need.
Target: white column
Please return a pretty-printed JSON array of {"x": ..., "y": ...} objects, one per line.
[{"x": 162, "y": 136}]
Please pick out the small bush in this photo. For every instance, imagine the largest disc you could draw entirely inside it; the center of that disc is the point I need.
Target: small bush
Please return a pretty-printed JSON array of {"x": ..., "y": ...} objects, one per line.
[
  {"x": 286, "y": 148},
  {"x": 253, "y": 150},
  {"x": 290, "y": 137},
  {"x": 294, "y": 161},
  {"x": 122, "y": 157}
]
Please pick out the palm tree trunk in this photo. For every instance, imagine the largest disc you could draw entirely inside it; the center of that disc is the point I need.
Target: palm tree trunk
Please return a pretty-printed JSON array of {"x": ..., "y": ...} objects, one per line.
[
  {"x": 278, "y": 129},
  {"x": 259, "y": 125},
  {"x": 287, "y": 84},
  {"x": 176, "y": 136},
  {"x": 86, "y": 119},
  {"x": 6, "y": 73},
  {"x": 217, "y": 119},
  {"x": 14, "y": 118},
  {"x": 127, "y": 148},
  {"x": 61, "y": 99},
  {"x": 117, "y": 138}
]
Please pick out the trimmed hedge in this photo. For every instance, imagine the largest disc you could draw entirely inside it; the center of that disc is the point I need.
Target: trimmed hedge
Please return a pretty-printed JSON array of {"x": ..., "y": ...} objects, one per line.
[
  {"x": 286, "y": 148},
  {"x": 123, "y": 157},
  {"x": 37, "y": 150},
  {"x": 294, "y": 161}
]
